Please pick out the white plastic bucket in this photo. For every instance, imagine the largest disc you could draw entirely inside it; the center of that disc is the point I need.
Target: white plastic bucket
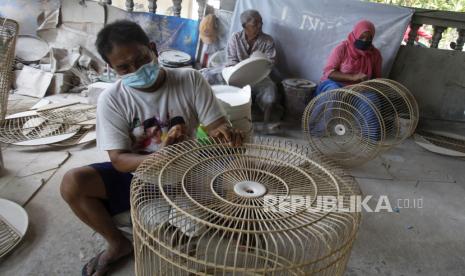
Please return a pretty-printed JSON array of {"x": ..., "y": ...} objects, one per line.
[{"x": 237, "y": 103}]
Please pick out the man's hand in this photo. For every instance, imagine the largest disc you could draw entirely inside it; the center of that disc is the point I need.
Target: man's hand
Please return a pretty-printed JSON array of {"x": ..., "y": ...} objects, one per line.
[
  {"x": 176, "y": 134},
  {"x": 222, "y": 129},
  {"x": 359, "y": 77}
]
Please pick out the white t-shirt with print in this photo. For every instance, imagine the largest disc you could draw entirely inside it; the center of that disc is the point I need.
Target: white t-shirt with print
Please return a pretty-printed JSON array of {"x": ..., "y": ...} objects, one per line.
[{"x": 128, "y": 119}]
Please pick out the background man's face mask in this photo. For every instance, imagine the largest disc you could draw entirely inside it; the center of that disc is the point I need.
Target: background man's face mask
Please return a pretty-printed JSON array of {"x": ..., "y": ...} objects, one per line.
[
  {"x": 363, "y": 44},
  {"x": 144, "y": 77}
]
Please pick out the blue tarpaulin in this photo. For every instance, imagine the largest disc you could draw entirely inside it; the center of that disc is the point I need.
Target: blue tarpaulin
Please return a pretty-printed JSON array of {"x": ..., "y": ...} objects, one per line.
[{"x": 169, "y": 32}]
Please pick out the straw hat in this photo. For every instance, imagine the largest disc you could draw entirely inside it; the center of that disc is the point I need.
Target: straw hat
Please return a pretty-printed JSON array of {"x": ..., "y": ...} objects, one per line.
[{"x": 208, "y": 29}]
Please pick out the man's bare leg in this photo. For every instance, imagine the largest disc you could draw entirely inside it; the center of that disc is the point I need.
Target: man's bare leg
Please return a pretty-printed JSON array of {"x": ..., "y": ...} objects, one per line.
[{"x": 83, "y": 189}]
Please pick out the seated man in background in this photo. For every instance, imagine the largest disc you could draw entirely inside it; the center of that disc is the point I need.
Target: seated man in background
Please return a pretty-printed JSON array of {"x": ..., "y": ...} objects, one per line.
[
  {"x": 148, "y": 108},
  {"x": 241, "y": 46}
]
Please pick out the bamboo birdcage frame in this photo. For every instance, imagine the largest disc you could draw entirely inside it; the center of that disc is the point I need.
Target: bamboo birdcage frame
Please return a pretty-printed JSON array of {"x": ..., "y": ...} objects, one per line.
[
  {"x": 75, "y": 113},
  {"x": 8, "y": 34},
  {"x": 49, "y": 122},
  {"x": 24, "y": 128},
  {"x": 190, "y": 217},
  {"x": 9, "y": 237},
  {"x": 352, "y": 125},
  {"x": 442, "y": 140},
  {"x": 78, "y": 137}
]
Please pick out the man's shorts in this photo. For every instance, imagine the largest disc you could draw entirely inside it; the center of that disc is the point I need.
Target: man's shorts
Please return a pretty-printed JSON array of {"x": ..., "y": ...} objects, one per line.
[{"x": 117, "y": 186}]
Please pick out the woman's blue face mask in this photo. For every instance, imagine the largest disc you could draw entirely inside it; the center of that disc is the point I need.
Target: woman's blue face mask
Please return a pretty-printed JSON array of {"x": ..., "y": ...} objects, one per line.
[
  {"x": 144, "y": 77},
  {"x": 363, "y": 44}
]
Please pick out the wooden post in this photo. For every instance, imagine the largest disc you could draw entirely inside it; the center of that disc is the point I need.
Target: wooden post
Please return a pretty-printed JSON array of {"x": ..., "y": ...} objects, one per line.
[
  {"x": 129, "y": 5},
  {"x": 201, "y": 11},
  {"x": 412, "y": 35},
  {"x": 437, "y": 36},
  {"x": 177, "y": 7},
  {"x": 460, "y": 40},
  {"x": 152, "y": 6}
]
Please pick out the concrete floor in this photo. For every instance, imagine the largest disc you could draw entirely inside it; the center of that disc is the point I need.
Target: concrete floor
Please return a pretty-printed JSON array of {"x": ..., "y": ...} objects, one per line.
[{"x": 426, "y": 241}]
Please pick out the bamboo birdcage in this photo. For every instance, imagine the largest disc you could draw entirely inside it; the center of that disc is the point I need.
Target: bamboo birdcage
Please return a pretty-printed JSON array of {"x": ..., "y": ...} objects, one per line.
[
  {"x": 199, "y": 208},
  {"x": 14, "y": 130},
  {"x": 51, "y": 124},
  {"x": 8, "y": 33},
  {"x": 9, "y": 237},
  {"x": 74, "y": 113},
  {"x": 352, "y": 125}
]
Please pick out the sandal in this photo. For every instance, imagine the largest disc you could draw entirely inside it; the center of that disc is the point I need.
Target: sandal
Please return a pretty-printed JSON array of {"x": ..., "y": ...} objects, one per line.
[{"x": 96, "y": 267}]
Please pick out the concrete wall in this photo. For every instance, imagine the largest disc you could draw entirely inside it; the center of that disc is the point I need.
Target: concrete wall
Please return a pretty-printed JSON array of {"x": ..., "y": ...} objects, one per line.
[{"x": 436, "y": 78}]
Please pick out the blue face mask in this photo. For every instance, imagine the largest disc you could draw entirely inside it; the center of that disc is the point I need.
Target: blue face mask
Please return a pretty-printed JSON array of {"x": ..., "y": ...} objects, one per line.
[
  {"x": 362, "y": 44},
  {"x": 144, "y": 77}
]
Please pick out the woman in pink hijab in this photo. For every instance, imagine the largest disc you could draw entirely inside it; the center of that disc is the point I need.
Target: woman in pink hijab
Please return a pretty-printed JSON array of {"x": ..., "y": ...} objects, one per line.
[{"x": 354, "y": 60}]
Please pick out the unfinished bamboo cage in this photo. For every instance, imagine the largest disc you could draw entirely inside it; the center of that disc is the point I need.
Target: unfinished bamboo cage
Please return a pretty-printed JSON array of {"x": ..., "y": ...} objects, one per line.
[
  {"x": 74, "y": 113},
  {"x": 8, "y": 33},
  {"x": 9, "y": 237},
  {"x": 205, "y": 208},
  {"x": 352, "y": 125},
  {"x": 441, "y": 142},
  {"x": 399, "y": 109},
  {"x": 30, "y": 129},
  {"x": 14, "y": 222},
  {"x": 86, "y": 134}
]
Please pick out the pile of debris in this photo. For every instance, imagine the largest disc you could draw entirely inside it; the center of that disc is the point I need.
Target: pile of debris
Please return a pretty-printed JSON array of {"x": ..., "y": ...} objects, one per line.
[
  {"x": 62, "y": 58},
  {"x": 60, "y": 69}
]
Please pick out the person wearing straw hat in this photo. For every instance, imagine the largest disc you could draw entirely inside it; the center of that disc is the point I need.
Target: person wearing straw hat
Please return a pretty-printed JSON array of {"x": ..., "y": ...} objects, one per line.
[
  {"x": 208, "y": 29},
  {"x": 208, "y": 33},
  {"x": 148, "y": 108}
]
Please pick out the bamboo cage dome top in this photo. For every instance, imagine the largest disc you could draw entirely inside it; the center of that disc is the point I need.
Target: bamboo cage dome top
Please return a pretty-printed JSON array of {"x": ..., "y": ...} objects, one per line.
[{"x": 204, "y": 207}]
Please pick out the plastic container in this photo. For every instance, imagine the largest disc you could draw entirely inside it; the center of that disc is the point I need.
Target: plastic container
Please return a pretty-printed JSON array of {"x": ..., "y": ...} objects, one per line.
[
  {"x": 237, "y": 103},
  {"x": 298, "y": 93}
]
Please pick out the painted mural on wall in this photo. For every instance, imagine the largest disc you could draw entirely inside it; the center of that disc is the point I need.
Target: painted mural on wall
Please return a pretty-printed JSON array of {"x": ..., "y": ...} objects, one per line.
[{"x": 169, "y": 32}]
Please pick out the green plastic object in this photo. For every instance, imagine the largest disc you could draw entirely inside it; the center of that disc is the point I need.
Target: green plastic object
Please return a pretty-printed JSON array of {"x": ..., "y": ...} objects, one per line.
[{"x": 202, "y": 135}]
